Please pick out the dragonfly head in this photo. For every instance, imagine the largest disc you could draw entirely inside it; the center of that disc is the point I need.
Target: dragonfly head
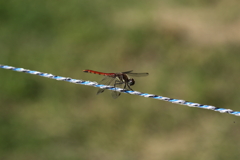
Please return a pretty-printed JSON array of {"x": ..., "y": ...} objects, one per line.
[{"x": 131, "y": 82}]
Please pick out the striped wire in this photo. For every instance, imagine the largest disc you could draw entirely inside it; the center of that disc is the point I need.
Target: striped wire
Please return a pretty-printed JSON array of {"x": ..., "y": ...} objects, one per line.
[{"x": 95, "y": 84}]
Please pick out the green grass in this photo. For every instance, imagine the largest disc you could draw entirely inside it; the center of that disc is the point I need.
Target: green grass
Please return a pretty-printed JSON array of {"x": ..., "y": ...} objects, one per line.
[{"x": 191, "y": 50}]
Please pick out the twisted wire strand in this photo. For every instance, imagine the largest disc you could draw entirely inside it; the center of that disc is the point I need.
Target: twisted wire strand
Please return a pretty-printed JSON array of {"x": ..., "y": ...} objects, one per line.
[{"x": 95, "y": 84}]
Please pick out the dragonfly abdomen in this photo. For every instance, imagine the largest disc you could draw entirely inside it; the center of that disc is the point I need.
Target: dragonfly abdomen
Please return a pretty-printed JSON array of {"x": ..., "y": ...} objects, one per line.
[{"x": 99, "y": 73}]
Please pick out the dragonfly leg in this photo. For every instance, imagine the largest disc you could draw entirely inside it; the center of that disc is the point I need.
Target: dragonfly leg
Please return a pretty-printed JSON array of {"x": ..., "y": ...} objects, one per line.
[
  {"x": 118, "y": 82},
  {"x": 124, "y": 86},
  {"x": 128, "y": 86}
]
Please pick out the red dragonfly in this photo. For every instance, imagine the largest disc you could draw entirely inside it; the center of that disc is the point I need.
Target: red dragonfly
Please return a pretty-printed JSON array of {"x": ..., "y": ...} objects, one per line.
[{"x": 117, "y": 79}]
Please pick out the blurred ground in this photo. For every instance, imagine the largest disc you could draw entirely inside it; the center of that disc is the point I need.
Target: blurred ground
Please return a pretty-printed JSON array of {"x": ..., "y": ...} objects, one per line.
[{"x": 190, "y": 48}]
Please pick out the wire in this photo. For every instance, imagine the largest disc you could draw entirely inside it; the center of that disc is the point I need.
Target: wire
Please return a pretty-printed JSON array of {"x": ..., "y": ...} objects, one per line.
[{"x": 95, "y": 84}]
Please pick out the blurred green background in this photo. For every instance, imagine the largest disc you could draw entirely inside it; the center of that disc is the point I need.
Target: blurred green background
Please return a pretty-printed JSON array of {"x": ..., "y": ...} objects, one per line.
[{"x": 189, "y": 47}]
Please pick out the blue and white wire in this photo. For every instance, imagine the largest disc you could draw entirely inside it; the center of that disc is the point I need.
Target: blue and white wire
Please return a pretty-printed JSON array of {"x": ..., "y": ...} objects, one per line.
[{"x": 95, "y": 84}]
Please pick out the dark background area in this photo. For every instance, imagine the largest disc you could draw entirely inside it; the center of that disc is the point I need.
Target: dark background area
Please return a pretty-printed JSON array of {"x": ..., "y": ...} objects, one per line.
[{"x": 190, "y": 48}]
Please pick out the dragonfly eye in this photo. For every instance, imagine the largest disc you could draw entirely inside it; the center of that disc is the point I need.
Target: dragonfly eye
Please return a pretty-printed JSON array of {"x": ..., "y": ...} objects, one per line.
[{"x": 131, "y": 82}]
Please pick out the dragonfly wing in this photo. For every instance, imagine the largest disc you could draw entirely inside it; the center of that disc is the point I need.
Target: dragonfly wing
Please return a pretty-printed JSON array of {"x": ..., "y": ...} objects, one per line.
[
  {"x": 127, "y": 72},
  {"x": 105, "y": 81},
  {"x": 116, "y": 94},
  {"x": 100, "y": 91},
  {"x": 137, "y": 74}
]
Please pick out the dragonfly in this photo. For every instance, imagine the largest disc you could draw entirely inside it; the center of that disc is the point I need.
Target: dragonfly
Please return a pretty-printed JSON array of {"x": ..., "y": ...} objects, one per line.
[{"x": 117, "y": 79}]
